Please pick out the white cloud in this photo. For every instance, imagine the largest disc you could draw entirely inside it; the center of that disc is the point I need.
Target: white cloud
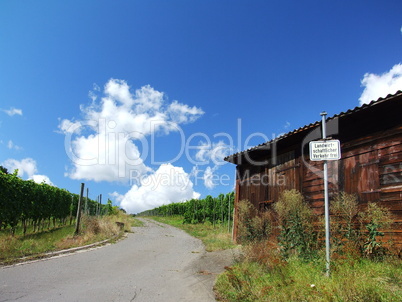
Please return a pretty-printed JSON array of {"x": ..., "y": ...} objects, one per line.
[
  {"x": 214, "y": 152},
  {"x": 67, "y": 126},
  {"x": 118, "y": 197},
  {"x": 101, "y": 159},
  {"x": 376, "y": 86},
  {"x": 106, "y": 145},
  {"x": 13, "y": 111},
  {"x": 11, "y": 145},
  {"x": 209, "y": 177},
  {"x": 41, "y": 179},
  {"x": 181, "y": 113},
  {"x": 168, "y": 184},
  {"x": 26, "y": 166},
  {"x": 211, "y": 153},
  {"x": 92, "y": 94}
]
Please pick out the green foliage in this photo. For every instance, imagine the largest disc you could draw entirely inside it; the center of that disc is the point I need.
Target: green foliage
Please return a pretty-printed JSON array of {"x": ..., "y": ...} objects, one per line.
[
  {"x": 345, "y": 236},
  {"x": 297, "y": 233},
  {"x": 253, "y": 226},
  {"x": 215, "y": 238},
  {"x": 296, "y": 280},
  {"x": 33, "y": 245},
  {"x": 374, "y": 219},
  {"x": 3, "y": 170},
  {"x": 28, "y": 203},
  {"x": 295, "y": 271},
  {"x": 17, "y": 246},
  {"x": 110, "y": 209},
  {"x": 210, "y": 209}
]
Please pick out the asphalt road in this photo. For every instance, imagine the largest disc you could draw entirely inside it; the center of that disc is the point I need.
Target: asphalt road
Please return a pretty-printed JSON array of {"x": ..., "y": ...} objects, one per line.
[{"x": 155, "y": 263}]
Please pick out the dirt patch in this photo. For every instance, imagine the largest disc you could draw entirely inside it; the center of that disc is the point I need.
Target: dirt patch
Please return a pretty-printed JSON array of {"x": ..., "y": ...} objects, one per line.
[{"x": 211, "y": 264}]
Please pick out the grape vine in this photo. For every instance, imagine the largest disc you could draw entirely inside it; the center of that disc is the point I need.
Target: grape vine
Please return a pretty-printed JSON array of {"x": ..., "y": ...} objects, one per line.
[
  {"x": 24, "y": 202},
  {"x": 214, "y": 210}
]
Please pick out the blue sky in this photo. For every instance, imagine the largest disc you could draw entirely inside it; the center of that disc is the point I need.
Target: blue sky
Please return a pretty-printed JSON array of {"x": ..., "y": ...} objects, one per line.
[{"x": 142, "y": 99}]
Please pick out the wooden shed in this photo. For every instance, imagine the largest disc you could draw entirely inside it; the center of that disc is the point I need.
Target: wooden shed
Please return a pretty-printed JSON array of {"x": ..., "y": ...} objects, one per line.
[{"x": 370, "y": 165}]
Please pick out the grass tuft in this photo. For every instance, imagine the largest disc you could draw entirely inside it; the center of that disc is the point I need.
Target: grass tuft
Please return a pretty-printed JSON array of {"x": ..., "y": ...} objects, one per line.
[
  {"x": 297, "y": 280},
  {"x": 94, "y": 229},
  {"x": 214, "y": 237}
]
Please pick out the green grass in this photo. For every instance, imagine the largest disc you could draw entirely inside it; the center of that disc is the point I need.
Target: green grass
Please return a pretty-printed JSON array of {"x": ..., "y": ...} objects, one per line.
[
  {"x": 295, "y": 280},
  {"x": 136, "y": 223},
  {"x": 17, "y": 246},
  {"x": 214, "y": 237},
  {"x": 32, "y": 245}
]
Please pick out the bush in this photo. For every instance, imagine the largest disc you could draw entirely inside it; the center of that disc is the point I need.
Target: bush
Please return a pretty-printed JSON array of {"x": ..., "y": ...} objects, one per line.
[
  {"x": 348, "y": 237},
  {"x": 269, "y": 273},
  {"x": 296, "y": 223},
  {"x": 345, "y": 236},
  {"x": 253, "y": 226},
  {"x": 373, "y": 220},
  {"x": 264, "y": 252}
]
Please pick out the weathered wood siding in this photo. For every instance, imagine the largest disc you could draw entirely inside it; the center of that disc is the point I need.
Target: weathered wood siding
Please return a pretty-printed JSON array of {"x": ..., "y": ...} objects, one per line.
[{"x": 370, "y": 167}]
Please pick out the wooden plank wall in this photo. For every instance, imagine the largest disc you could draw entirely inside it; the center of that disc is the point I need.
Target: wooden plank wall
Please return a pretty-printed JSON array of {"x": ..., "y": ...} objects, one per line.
[{"x": 370, "y": 167}]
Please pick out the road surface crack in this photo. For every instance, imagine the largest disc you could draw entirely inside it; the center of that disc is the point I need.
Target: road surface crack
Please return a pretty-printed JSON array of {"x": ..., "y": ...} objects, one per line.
[{"x": 135, "y": 295}]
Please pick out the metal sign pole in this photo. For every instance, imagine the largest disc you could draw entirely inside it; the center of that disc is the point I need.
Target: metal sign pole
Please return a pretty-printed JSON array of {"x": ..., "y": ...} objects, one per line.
[{"x": 326, "y": 202}]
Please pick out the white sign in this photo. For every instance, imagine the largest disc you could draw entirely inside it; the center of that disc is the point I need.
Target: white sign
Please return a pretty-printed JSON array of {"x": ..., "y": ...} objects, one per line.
[{"x": 325, "y": 150}]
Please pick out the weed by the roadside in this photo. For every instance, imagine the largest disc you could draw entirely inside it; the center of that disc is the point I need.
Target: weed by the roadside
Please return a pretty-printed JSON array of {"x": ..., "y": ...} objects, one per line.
[
  {"x": 297, "y": 280},
  {"x": 296, "y": 222},
  {"x": 214, "y": 237},
  {"x": 374, "y": 219},
  {"x": 93, "y": 229},
  {"x": 13, "y": 247},
  {"x": 253, "y": 226},
  {"x": 293, "y": 269},
  {"x": 96, "y": 229},
  {"x": 136, "y": 222}
]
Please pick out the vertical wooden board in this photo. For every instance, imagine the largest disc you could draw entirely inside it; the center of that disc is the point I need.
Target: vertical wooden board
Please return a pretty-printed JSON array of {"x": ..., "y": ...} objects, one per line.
[
  {"x": 333, "y": 176},
  {"x": 264, "y": 186},
  {"x": 236, "y": 213},
  {"x": 313, "y": 185},
  {"x": 350, "y": 175},
  {"x": 300, "y": 173},
  {"x": 244, "y": 190},
  {"x": 369, "y": 179},
  {"x": 261, "y": 186},
  {"x": 274, "y": 188},
  {"x": 362, "y": 171}
]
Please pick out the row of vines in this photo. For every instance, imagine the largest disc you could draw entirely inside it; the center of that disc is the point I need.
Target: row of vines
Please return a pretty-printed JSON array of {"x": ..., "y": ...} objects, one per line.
[
  {"x": 214, "y": 210},
  {"x": 24, "y": 202}
]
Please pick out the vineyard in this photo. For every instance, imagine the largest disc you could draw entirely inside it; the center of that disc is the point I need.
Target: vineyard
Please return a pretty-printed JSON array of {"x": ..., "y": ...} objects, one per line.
[
  {"x": 216, "y": 210},
  {"x": 26, "y": 203}
]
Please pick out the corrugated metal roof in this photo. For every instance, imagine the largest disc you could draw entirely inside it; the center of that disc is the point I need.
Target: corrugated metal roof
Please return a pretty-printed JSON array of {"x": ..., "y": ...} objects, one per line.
[{"x": 315, "y": 124}]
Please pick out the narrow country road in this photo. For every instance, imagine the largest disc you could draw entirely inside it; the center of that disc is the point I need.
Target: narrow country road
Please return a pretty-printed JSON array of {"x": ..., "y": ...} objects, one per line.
[{"x": 155, "y": 263}]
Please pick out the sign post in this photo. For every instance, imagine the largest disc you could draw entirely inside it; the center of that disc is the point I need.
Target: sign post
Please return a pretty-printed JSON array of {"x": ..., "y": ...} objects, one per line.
[{"x": 325, "y": 150}]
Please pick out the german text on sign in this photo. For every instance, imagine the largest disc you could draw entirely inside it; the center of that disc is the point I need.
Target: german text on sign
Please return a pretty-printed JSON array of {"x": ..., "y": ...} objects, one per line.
[{"x": 325, "y": 150}]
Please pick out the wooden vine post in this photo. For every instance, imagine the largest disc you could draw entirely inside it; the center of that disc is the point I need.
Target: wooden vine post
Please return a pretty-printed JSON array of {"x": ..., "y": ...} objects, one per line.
[{"x": 77, "y": 224}]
